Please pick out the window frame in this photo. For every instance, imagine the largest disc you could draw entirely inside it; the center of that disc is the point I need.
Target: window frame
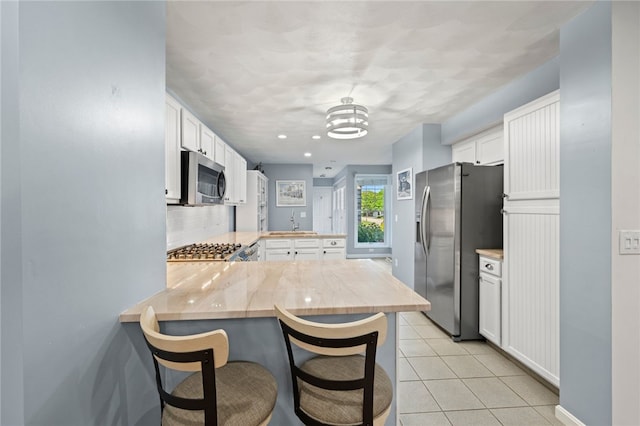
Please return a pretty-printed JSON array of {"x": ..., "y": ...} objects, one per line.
[{"x": 387, "y": 211}]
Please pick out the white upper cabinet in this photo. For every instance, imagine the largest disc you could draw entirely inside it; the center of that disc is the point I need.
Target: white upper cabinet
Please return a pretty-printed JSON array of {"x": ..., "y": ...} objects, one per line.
[
  {"x": 464, "y": 152},
  {"x": 196, "y": 136},
  {"x": 490, "y": 148},
  {"x": 532, "y": 150},
  {"x": 172, "y": 150},
  {"x": 184, "y": 131},
  {"x": 236, "y": 174},
  {"x": 207, "y": 142},
  {"x": 241, "y": 177},
  {"x": 219, "y": 148},
  {"x": 229, "y": 172},
  {"x": 190, "y": 131},
  {"x": 485, "y": 148}
]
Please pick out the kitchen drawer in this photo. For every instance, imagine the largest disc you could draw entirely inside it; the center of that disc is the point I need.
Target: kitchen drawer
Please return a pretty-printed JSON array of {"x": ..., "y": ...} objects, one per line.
[
  {"x": 278, "y": 244},
  {"x": 333, "y": 242},
  {"x": 278, "y": 254},
  {"x": 307, "y": 243},
  {"x": 306, "y": 254},
  {"x": 491, "y": 266}
]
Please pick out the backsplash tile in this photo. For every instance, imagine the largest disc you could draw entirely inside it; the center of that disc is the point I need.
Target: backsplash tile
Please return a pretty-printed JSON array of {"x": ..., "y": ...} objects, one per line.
[{"x": 186, "y": 225}]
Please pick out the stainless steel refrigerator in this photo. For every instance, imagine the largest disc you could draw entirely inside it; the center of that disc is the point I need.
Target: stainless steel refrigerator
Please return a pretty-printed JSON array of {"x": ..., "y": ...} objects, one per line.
[{"x": 457, "y": 211}]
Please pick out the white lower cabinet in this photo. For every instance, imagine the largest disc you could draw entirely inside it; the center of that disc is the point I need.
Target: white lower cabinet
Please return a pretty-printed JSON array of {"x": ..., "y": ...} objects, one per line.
[
  {"x": 333, "y": 248},
  {"x": 278, "y": 249},
  {"x": 490, "y": 299},
  {"x": 304, "y": 249}
]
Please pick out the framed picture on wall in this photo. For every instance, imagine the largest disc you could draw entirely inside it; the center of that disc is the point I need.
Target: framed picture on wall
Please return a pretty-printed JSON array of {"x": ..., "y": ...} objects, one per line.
[
  {"x": 291, "y": 193},
  {"x": 404, "y": 184}
]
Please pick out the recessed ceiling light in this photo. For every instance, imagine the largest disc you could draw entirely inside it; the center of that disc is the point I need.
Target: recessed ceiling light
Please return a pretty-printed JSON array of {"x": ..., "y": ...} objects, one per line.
[
  {"x": 281, "y": 136},
  {"x": 307, "y": 154},
  {"x": 315, "y": 137}
]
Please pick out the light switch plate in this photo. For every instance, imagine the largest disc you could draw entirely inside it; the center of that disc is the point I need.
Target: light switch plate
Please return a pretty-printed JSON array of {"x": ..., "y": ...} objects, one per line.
[
  {"x": 629, "y": 241},
  {"x": 303, "y": 214}
]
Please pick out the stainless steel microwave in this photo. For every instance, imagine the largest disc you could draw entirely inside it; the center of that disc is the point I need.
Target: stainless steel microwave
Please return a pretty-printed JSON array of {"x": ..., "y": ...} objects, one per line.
[{"x": 203, "y": 181}]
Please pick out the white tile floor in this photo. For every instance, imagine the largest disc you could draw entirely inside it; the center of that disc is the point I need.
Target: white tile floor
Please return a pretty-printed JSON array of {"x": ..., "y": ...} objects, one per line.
[
  {"x": 463, "y": 384},
  {"x": 466, "y": 383}
]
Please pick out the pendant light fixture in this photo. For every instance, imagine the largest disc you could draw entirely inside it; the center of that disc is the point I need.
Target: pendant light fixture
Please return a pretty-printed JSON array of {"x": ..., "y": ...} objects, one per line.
[{"x": 347, "y": 121}]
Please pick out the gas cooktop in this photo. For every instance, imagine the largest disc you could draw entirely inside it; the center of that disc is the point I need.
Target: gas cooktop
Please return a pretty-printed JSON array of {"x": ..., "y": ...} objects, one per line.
[{"x": 203, "y": 252}]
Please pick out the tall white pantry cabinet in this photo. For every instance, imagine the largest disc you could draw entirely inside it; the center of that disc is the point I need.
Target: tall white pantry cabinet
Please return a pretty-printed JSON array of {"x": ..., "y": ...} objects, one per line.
[
  {"x": 252, "y": 216},
  {"x": 530, "y": 293}
]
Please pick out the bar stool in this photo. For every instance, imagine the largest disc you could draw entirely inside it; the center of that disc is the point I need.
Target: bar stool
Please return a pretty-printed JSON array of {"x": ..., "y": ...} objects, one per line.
[
  {"x": 339, "y": 386},
  {"x": 218, "y": 392}
]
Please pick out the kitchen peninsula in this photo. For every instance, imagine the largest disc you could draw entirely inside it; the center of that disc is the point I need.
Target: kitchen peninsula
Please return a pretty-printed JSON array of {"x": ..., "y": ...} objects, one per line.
[{"x": 239, "y": 297}]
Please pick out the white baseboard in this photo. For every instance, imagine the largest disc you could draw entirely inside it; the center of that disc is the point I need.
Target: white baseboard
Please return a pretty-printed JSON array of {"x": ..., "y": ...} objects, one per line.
[{"x": 566, "y": 417}]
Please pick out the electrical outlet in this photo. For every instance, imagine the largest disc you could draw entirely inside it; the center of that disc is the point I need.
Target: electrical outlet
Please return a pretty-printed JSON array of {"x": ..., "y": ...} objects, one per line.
[
  {"x": 629, "y": 241},
  {"x": 396, "y": 261},
  {"x": 396, "y": 218},
  {"x": 303, "y": 214}
]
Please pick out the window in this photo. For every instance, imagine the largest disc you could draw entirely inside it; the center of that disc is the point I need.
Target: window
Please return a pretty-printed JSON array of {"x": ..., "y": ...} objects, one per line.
[{"x": 372, "y": 198}]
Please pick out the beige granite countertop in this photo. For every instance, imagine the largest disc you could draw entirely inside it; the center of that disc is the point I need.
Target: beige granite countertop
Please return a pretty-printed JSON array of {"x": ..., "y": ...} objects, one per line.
[
  {"x": 212, "y": 290},
  {"x": 492, "y": 253}
]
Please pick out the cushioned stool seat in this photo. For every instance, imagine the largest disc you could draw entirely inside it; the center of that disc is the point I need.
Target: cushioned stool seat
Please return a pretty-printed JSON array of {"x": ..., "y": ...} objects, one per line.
[
  {"x": 218, "y": 392},
  {"x": 339, "y": 386},
  {"x": 246, "y": 396},
  {"x": 342, "y": 407}
]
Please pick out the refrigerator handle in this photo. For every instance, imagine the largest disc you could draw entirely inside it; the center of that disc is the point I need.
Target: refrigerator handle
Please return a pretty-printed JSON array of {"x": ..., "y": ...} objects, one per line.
[
  {"x": 424, "y": 224},
  {"x": 428, "y": 221}
]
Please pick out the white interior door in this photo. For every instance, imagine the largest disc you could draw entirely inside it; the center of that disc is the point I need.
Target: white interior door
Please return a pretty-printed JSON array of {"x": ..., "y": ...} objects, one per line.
[{"x": 322, "y": 209}]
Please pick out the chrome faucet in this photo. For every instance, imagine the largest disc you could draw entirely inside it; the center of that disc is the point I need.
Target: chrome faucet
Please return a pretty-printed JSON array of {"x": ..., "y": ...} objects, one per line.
[{"x": 294, "y": 225}]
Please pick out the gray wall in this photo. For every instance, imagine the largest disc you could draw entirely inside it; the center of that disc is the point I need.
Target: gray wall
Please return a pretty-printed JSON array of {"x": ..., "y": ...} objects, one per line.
[
  {"x": 322, "y": 181},
  {"x": 585, "y": 180},
  {"x": 279, "y": 217},
  {"x": 88, "y": 170},
  {"x": 407, "y": 152},
  {"x": 490, "y": 110},
  {"x": 421, "y": 150},
  {"x": 11, "y": 367}
]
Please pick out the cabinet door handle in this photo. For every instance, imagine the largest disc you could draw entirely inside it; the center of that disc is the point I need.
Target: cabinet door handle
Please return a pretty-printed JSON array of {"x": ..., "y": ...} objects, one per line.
[
  {"x": 489, "y": 266},
  {"x": 324, "y": 252},
  {"x": 333, "y": 243},
  {"x": 166, "y": 192}
]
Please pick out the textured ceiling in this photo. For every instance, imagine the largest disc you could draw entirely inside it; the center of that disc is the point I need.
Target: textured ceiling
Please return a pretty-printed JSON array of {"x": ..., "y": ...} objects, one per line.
[{"x": 254, "y": 70}]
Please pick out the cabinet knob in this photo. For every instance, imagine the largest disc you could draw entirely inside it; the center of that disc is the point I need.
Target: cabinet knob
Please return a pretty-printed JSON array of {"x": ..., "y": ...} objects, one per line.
[
  {"x": 477, "y": 162},
  {"x": 489, "y": 266},
  {"x": 166, "y": 191},
  {"x": 204, "y": 152},
  {"x": 325, "y": 252},
  {"x": 333, "y": 243}
]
